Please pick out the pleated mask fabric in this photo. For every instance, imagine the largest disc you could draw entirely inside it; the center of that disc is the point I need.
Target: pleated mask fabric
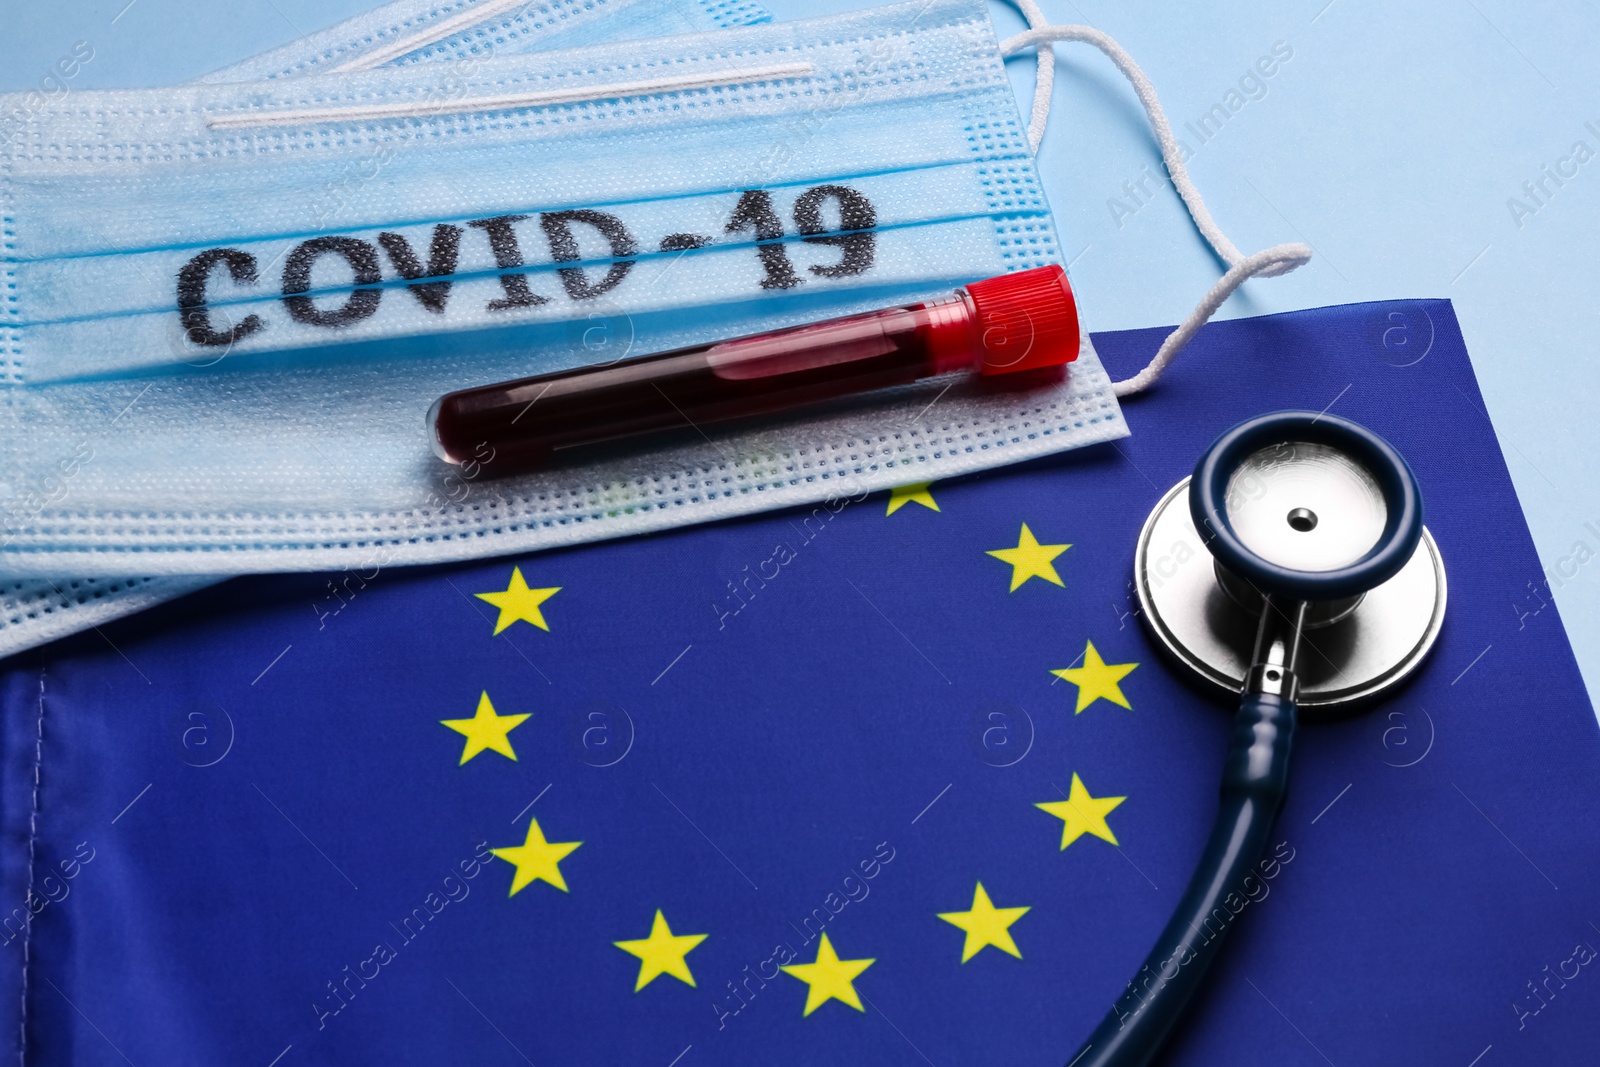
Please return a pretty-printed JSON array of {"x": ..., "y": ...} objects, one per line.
[
  {"x": 424, "y": 31},
  {"x": 39, "y": 609},
  {"x": 227, "y": 374}
]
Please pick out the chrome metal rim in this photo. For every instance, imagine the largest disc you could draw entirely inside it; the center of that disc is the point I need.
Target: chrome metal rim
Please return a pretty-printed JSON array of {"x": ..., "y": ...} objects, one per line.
[{"x": 1366, "y": 653}]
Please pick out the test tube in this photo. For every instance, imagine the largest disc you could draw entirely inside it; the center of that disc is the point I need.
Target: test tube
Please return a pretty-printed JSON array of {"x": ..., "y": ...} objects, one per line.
[{"x": 1015, "y": 322}]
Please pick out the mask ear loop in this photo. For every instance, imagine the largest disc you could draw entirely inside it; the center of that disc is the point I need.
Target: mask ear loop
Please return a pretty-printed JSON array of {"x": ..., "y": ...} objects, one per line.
[
  {"x": 1268, "y": 263},
  {"x": 1044, "y": 81}
]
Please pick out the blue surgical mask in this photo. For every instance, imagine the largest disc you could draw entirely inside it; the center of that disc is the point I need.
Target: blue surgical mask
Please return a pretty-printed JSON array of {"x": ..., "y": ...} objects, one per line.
[
  {"x": 423, "y": 31},
  {"x": 251, "y": 372},
  {"x": 36, "y": 610}
]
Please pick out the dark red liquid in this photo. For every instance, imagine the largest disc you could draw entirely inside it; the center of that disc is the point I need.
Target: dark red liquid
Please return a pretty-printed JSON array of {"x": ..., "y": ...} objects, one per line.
[{"x": 533, "y": 421}]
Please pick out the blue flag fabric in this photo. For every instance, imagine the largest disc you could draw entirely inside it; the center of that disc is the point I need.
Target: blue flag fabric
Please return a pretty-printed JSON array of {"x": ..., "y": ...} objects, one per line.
[{"x": 894, "y": 781}]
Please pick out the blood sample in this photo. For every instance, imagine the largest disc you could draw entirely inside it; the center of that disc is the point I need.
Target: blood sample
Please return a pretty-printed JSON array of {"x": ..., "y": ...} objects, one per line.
[{"x": 1014, "y": 322}]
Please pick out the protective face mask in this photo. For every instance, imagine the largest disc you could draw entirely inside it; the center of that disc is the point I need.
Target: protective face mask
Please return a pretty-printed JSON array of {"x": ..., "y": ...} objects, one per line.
[
  {"x": 36, "y": 610},
  {"x": 251, "y": 369},
  {"x": 850, "y": 177},
  {"x": 424, "y": 31}
]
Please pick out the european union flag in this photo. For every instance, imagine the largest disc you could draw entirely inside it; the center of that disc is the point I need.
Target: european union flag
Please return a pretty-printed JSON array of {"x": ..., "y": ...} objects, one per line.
[{"x": 891, "y": 780}]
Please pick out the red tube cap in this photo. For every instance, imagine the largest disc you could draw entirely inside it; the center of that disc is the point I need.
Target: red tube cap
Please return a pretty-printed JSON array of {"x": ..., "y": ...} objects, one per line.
[{"x": 1026, "y": 320}]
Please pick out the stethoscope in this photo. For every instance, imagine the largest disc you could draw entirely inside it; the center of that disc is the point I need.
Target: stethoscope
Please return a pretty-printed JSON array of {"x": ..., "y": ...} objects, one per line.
[{"x": 1325, "y": 589}]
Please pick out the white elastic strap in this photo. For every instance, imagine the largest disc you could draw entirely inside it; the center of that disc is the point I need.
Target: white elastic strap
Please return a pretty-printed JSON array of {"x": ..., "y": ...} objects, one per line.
[
  {"x": 1269, "y": 263},
  {"x": 437, "y": 32},
  {"x": 1044, "y": 81}
]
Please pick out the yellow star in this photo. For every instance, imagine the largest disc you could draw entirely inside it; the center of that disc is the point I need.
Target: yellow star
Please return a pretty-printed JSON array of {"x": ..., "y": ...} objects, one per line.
[
  {"x": 916, "y": 493},
  {"x": 519, "y": 602},
  {"x": 985, "y": 924},
  {"x": 486, "y": 730},
  {"x": 1096, "y": 679},
  {"x": 829, "y": 978},
  {"x": 537, "y": 860},
  {"x": 1082, "y": 814},
  {"x": 1030, "y": 559},
  {"x": 662, "y": 952}
]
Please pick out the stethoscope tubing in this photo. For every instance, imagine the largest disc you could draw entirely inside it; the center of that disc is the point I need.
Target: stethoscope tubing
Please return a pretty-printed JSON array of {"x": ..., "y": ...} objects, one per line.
[{"x": 1255, "y": 776}]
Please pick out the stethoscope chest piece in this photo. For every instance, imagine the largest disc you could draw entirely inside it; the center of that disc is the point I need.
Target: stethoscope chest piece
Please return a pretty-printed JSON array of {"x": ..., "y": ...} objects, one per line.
[{"x": 1307, "y": 506}]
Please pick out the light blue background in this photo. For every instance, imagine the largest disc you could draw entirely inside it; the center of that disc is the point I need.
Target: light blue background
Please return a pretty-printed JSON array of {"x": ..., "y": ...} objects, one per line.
[{"x": 1390, "y": 142}]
